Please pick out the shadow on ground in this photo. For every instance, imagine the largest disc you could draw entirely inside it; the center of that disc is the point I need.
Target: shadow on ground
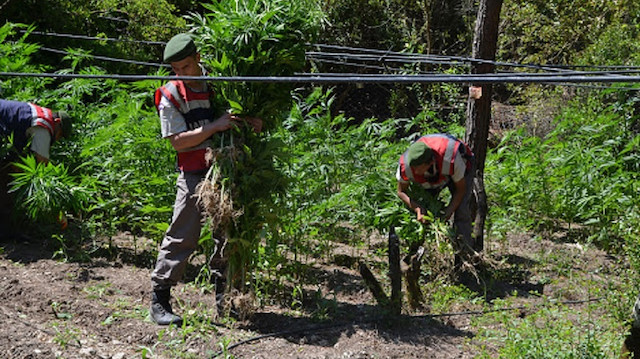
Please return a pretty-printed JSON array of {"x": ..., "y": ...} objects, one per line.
[
  {"x": 513, "y": 276},
  {"x": 326, "y": 333}
]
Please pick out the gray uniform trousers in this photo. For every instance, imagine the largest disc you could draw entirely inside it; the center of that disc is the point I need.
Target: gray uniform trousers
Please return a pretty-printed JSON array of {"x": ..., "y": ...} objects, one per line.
[
  {"x": 181, "y": 239},
  {"x": 462, "y": 216}
]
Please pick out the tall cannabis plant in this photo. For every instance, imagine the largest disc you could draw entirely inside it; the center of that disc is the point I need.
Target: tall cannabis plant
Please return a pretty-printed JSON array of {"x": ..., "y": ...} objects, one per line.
[{"x": 250, "y": 38}]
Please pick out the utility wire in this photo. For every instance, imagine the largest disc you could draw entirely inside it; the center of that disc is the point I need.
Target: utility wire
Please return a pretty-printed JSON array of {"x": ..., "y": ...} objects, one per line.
[
  {"x": 319, "y": 78},
  {"x": 437, "y": 57},
  {"x": 367, "y": 54},
  {"x": 105, "y": 58},
  {"x": 94, "y": 38},
  {"x": 383, "y": 68},
  {"x": 619, "y": 88}
]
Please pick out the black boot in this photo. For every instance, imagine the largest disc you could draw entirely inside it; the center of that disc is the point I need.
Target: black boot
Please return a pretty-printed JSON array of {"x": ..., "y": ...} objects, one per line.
[{"x": 160, "y": 311}]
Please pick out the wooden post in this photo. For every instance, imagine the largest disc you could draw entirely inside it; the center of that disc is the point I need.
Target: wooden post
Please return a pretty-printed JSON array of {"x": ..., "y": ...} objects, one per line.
[
  {"x": 395, "y": 275},
  {"x": 485, "y": 42},
  {"x": 374, "y": 285}
]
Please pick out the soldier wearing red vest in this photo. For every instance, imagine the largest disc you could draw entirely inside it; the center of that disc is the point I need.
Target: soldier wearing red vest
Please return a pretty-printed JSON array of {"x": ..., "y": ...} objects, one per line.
[
  {"x": 30, "y": 122},
  {"x": 434, "y": 162},
  {"x": 26, "y": 124},
  {"x": 188, "y": 121}
]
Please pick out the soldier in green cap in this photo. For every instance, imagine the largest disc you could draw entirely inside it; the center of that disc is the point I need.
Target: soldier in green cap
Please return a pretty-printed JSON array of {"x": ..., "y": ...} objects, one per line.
[
  {"x": 188, "y": 120},
  {"x": 434, "y": 162}
]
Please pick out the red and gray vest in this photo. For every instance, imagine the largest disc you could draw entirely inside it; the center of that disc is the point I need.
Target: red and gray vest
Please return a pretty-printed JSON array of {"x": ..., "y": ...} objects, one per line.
[
  {"x": 445, "y": 148},
  {"x": 197, "y": 111},
  {"x": 16, "y": 117}
]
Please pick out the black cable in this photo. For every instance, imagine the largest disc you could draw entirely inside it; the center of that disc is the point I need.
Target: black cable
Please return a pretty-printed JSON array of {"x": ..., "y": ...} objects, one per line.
[
  {"x": 83, "y": 37},
  {"x": 319, "y": 78},
  {"x": 105, "y": 58},
  {"x": 443, "y": 57},
  {"x": 380, "y": 55},
  {"x": 284, "y": 332}
]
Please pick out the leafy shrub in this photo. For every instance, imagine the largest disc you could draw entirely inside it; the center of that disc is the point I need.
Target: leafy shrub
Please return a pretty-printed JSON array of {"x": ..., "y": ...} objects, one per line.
[
  {"x": 45, "y": 192},
  {"x": 549, "y": 332},
  {"x": 583, "y": 173},
  {"x": 127, "y": 161}
]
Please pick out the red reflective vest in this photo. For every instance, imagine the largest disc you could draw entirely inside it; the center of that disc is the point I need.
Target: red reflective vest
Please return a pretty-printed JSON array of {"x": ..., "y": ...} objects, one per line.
[
  {"x": 445, "y": 148},
  {"x": 197, "y": 111},
  {"x": 43, "y": 118}
]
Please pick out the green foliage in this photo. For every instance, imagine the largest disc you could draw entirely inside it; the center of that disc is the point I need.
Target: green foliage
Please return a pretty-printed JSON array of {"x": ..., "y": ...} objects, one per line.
[
  {"x": 543, "y": 32},
  {"x": 45, "y": 192},
  {"x": 547, "y": 333},
  {"x": 584, "y": 172},
  {"x": 116, "y": 155},
  {"x": 101, "y": 18},
  {"x": 15, "y": 56},
  {"x": 439, "y": 26},
  {"x": 618, "y": 44},
  {"x": 257, "y": 38},
  {"x": 127, "y": 162},
  {"x": 342, "y": 174}
]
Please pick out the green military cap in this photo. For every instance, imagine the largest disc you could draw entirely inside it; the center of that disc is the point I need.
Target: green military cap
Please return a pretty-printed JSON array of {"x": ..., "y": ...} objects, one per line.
[
  {"x": 66, "y": 122},
  {"x": 419, "y": 153},
  {"x": 179, "y": 47}
]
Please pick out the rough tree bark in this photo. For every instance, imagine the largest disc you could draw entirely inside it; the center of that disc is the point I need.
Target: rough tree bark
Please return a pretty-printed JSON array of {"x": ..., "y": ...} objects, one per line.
[{"x": 479, "y": 108}]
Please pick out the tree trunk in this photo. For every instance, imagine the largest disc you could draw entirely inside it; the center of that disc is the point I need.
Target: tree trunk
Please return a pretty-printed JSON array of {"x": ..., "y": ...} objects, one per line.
[{"x": 479, "y": 105}]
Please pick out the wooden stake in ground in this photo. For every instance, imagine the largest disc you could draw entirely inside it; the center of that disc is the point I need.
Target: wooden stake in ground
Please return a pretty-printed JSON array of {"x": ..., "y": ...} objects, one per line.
[
  {"x": 395, "y": 274},
  {"x": 393, "y": 304}
]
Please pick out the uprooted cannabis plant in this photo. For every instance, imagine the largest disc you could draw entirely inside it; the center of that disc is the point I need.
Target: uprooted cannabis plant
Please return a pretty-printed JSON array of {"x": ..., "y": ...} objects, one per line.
[{"x": 249, "y": 38}]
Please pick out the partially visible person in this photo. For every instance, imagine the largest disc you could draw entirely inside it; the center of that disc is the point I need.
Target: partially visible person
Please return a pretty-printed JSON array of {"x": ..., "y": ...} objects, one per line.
[
  {"x": 434, "y": 162},
  {"x": 188, "y": 120},
  {"x": 631, "y": 344},
  {"x": 26, "y": 123}
]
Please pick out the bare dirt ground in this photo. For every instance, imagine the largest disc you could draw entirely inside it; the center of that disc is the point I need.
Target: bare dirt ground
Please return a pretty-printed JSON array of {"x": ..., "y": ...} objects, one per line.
[{"x": 98, "y": 309}]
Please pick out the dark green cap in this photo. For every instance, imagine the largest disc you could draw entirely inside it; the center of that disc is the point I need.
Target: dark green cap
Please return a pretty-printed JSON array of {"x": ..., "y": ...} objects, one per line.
[
  {"x": 179, "y": 47},
  {"x": 66, "y": 122},
  {"x": 419, "y": 153}
]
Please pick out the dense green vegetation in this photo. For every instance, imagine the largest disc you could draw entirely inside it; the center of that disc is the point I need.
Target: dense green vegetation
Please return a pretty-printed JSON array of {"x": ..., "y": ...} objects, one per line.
[{"x": 330, "y": 176}]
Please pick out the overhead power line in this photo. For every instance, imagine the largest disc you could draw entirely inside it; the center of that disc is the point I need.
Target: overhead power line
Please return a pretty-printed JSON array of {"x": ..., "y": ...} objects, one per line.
[
  {"x": 362, "y": 58},
  {"x": 368, "y": 55},
  {"x": 435, "y": 58},
  {"x": 93, "y": 38},
  {"x": 330, "y": 79},
  {"x": 105, "y": 58}
]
